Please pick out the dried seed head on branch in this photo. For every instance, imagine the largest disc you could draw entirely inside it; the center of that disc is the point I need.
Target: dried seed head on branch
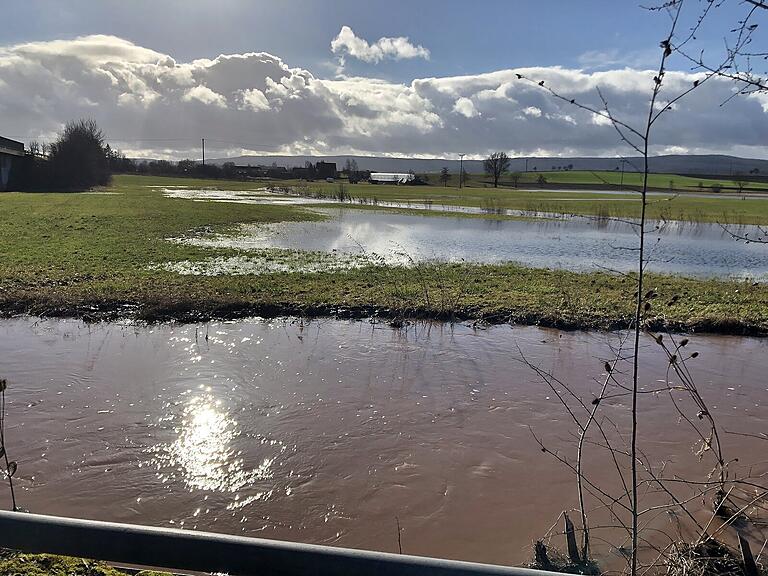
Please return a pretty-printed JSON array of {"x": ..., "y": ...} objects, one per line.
[{"x": 639, "y": 478}]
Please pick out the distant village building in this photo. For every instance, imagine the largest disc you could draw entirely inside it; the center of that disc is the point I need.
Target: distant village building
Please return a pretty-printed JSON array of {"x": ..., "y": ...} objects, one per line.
[
  {"x": 324, "y": 170},
  {"x": 303, "y": 173},
  {"x": 391, "y": 178},
  {"x": 318, "y": 171},
  {"x": 278, "y": 172},
  {"x": 11, "y": 156},
  {"x": 248, "y": 171}
]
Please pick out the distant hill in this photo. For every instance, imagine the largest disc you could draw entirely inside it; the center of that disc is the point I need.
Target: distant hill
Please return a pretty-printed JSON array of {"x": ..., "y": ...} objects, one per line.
[{"x": 675, "y": 164}]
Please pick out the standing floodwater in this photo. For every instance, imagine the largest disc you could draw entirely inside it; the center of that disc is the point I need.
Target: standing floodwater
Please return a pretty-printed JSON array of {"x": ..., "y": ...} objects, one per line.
[
  {"x": 580, "y": 244},
  {"x": 325, "y": 432}
]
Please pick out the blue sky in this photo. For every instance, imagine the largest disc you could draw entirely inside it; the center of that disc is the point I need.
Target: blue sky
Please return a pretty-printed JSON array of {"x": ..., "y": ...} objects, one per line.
[
  {"x": 463, "y": 38},
  {"x": 149, "y": 72}
]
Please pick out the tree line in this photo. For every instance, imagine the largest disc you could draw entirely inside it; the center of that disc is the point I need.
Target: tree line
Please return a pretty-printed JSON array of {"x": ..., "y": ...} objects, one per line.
[
  {"x": 495, "y": 166},
  {"x": 80, "y": 159}
]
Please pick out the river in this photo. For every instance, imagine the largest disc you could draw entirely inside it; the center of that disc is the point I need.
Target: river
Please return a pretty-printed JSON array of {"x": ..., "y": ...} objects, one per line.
[{"x": 332, "y": 431}]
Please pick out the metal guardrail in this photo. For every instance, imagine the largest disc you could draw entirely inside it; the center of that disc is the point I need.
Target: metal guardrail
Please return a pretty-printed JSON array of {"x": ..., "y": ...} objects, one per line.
[{"x": 207, "y": 552}]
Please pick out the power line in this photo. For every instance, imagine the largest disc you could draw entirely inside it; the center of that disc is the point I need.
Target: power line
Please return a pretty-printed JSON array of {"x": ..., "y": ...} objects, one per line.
[
  {"x": 193, "y": 139},
  {"x": 246, "y": 146}
]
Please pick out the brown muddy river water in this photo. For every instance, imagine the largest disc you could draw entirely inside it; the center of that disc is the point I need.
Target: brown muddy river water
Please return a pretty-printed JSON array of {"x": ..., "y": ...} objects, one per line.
[{"x": 326, "y": 432}]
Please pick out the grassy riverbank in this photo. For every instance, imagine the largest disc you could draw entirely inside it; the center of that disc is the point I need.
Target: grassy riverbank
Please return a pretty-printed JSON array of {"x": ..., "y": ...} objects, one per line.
[
  {"x": 91, "y": 255},
  {"x": 13, "y": 564},
  {"x": 448, "y": 292}
]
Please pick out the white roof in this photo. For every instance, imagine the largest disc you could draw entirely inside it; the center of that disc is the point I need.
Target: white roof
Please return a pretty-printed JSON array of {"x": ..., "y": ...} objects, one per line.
[{"x": 391, "y": 176}]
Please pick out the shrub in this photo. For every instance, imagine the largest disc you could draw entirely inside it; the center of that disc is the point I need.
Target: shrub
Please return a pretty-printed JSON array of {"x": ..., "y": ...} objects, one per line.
[{"x": 78, "y": 158}]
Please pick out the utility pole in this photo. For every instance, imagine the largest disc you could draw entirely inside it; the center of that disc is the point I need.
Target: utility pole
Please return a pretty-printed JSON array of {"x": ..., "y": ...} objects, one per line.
[
  {"x": 526, "y": 164},
  {"x": 461, "y": 169},
  {"x": 203, "y": 141},
  {"x": 621, "y": 185}
]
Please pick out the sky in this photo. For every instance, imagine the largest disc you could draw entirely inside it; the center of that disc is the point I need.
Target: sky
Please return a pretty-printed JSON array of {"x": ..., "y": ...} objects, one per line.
[{"x": 420, "y": 78}]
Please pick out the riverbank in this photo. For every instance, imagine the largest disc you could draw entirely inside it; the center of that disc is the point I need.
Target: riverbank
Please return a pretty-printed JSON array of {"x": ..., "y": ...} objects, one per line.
[
  {"x": 450, "y": 292},
  {"x": 100, "y": 256},
  {"x": 14, "y": 564}
]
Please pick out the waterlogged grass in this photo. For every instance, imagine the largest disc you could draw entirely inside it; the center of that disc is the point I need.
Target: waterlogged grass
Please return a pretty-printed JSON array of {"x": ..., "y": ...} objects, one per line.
[
  {"x": 505, "y": 293},
  {"x": 269, "y": 261},
  {"x": 48, "y": 565},
  {"x": 108, "y": 255},
  {"x": 62, "y": 238},
  {"x": 670, "y": 206},
  {"x": 608, "y": 179},
  {"x": 675, "y": 182}
]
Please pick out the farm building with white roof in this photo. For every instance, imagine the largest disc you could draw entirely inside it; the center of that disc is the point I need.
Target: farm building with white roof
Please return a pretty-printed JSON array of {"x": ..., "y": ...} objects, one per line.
[{"x": 391, "y": 178}]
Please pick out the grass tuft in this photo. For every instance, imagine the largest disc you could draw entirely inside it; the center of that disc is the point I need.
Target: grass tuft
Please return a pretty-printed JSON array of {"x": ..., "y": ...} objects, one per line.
[{"x": 14, "y": 564}]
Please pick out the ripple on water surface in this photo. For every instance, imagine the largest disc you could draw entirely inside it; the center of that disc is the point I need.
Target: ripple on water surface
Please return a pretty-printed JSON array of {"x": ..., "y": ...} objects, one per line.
[{"x": 325, "y": 432}]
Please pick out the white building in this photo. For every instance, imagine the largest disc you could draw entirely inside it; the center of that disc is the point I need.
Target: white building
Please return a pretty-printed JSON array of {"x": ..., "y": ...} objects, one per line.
[{"x": 391, "y": 178}]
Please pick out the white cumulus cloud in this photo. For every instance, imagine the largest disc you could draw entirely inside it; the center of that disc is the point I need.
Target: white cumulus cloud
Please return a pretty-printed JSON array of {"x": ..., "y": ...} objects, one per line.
[
  {"x": 149, "y": 104},
  {"x": 255, "y": 99},
  {"x": 465, "y": 107},
  {"x": 399, "y": 48},
  {"x": 205, "y": 95}
]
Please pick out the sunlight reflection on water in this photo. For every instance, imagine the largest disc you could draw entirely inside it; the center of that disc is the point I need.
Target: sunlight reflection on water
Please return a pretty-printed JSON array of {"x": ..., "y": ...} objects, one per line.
[
  {"x": 203, "y": 453},
  {"x": 326, "y": 431},
  {"x": 352, "y": 238}
]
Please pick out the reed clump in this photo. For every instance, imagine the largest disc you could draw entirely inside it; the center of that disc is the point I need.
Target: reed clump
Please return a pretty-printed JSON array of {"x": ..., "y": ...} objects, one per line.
[{"x": 710, "y": 558}]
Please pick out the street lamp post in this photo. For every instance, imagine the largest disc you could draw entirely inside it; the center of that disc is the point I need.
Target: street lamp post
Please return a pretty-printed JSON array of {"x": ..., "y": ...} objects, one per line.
[
  {"x": 461, "y": 169},
  {"x": 621, "y": 185}
]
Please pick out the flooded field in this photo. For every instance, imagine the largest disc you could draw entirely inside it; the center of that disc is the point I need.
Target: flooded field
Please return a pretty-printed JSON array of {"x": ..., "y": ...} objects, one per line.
[
  {"x": 257, "y": 196},
  {"x": 326, "y": 432},
  {"x": 580, "y": 244}
]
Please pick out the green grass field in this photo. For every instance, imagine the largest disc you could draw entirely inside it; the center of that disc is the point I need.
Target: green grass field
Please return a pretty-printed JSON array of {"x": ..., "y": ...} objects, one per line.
[
  {"x": 90, "y": 255},
  {"x": 689, "y": 207},
  {"x": 666, "y": 182},
  {"x": 612, "y": 178}
]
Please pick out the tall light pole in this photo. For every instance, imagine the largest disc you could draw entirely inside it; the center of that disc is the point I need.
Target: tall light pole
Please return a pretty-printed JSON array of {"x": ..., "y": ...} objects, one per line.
[
  {"x": 461, "y": 169},
  {"x": 203, "y": 141},
  {"x": 621, "y": 185},
  {"x": 526, "y": 164}
]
